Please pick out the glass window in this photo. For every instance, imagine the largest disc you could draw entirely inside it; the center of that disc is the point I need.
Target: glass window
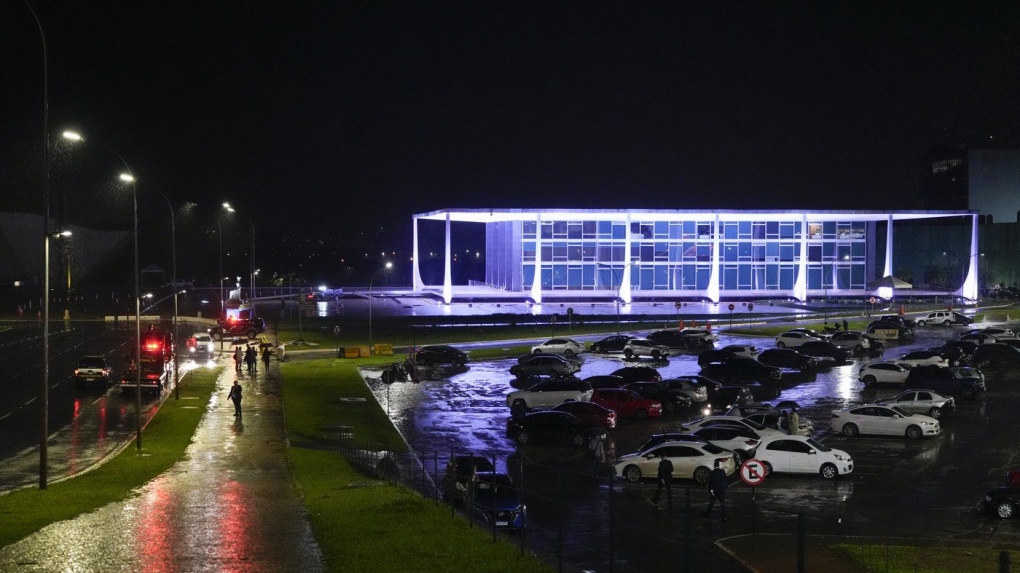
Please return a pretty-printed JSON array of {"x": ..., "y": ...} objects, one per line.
[
  {"x": 690, "y": 251},
  {"x": 730, "y": 253},
  {"x": 730, "y": 230},
  {"x": 546, "y": 277},
  {"x": 744, "y": 277},
  {"x": 704, "y": 253},
  {"x": 619, "y": 231},
  {"x": 661, "y": 250},
  {"x": 574, "y": 252},
  {"x": 605, "y": 229},
  {"x": 559, "y": 276},
  {"x": 559, "y": 251},
  {"x": 787, "y": 277},
  {"x": 547, "y": 230},
  {"x": 574, "y": 230},
  {"x": 529, "y": 276},
  {"x": 758, "y": 252},
  {"x": 588, "y": 276},
  {"x": 675, "y": 230},
  {"x": 757, "y": 230},
  {"x": 647, "y": 252},
  {"x": 729, "y": 277},
  {"x": 662, "y": 229},
  {"x": 589, "y": 251},
  {"x": 529, "y": 229},
  {"x": 786, "y": 230},
  {"x": 559, "y": 229},
  {"x": 589, "y": 230},
  {"x": 704, "y": 230},
  {"x": 814, "y": 253},
  {"x": 547, "y": 252},
  {"x": 704, "y": 274},
  {"x": 529, "y": 251},
  {"x": 744, "y": 251},
  {"x": 786, "y": 252},
  {"x": 772, "y": 229},
  {"x": 744, "y": 230},
  {"x": 661, "y": 277},
  {"x": 574, "y": 277},
  {"x": 690, "y": 230}
]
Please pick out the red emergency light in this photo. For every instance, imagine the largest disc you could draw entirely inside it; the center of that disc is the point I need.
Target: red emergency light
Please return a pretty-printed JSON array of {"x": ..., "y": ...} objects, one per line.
[{"x": 152, "y": 345}]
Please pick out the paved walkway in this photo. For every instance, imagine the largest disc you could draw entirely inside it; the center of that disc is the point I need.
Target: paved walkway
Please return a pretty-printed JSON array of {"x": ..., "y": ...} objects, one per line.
[
  {"x": 771, "y": 553},
  {"x": 229, "y": 505}
]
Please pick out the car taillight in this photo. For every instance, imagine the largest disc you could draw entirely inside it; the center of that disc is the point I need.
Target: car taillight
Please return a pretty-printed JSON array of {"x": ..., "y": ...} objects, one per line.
[
  {"x": 726, "y": 459},
  {"x": 75, "y": 371},
  {"x": 751, "y": 442}
]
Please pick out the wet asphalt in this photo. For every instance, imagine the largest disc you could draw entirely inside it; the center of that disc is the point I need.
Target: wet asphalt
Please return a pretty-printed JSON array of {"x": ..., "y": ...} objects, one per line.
[{"x": 229, "y": 505}]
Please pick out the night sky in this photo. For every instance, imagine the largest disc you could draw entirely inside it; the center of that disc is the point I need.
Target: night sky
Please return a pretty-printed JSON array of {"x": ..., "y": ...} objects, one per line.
[{"x": 344, "y": 117}]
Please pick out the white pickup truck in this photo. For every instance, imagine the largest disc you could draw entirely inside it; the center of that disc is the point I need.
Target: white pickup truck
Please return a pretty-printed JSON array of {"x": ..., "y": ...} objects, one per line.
[{"x": 92, "y": 370}]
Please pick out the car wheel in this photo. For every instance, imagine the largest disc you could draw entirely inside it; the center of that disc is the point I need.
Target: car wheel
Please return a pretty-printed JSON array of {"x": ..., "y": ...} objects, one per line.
[
  {"x": 914, "y": 432},
  {"x": 641, "y": 414},
  {"x": 632, "y": 474},
  {"x": 780, "y": 344},
  {"x": 597, "y": 349},
  {"x": 858, "y": 349},
  {"x": 869, "y": 380},
  {"x": 947, "y": 324},
  {"x": 701, "y": 475},
  {"x": 921, "y": 323},
  {"x": 669, "y": 407},
  {"x": 1004, "y": 509},
  {"x": 969, "y": 392},
  {"x": 578, "y": 440},
  {"x": 455, "y": 362},
  {"x": 251, "y": 334},
  {"x": 628, "y": 353},
  {"x": 828, "y": 471},
  {"x": 767, "y": 467},
  {"x": 656, "y": 355},
  {"x": 523, "y": 438},
  {"x": 568, "y": 353},
  {"x": 850, "y": 430},
  {"x": 519, "y": 405},
  {"x": 935, "y": 413}
]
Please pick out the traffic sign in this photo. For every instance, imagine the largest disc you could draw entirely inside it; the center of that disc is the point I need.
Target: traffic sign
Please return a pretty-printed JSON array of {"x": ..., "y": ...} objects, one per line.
[
  {"x": 336, "y": 330},
  {"x": 750, "y": 306},
  {"x": 676, "y": 305},
  {"x": 752, "y": 472},
  {"x": 731, "y": 307},
  {"x": 872, "y": 300}
]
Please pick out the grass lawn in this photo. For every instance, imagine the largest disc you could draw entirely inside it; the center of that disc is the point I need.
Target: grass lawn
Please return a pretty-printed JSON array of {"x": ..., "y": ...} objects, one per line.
[
  {"x": 904, "y": 559},
  {"x": 364, "y": 524},
  {"x": 164, "y": 440}
]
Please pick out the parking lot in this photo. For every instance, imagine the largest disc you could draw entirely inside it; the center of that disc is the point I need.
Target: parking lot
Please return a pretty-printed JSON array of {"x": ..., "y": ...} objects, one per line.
[{"x": 899, "y": 488}]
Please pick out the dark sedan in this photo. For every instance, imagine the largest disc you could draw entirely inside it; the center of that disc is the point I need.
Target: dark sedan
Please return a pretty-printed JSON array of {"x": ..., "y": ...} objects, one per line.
[
  {"x": 965, "y": 382},
  {"x": 497, "y": 501},
  {"x": 671, "y": 400},
  {"x": 440, "y": 354},
  {"x": 558, "y": 428},
  {"x": 605, "y": 381},
  {"x": 613, "y": 343},
  {"x": 1002, "y": 502},
  {"x": 787, "y": 358},
  {"x": 996, "y": 355},
  {"x": 824, "y": 349},
  {"x": 739, "y": 368},
  {"x": 638, "y": 374},
  {"x": 590, "y": 413}
]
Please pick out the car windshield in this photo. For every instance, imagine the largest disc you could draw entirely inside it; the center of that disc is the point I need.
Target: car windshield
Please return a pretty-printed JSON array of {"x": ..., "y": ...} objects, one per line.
[
  {"x": 496, "y": 487},
  {"x": 754, "y": 424},
  {"x": 92, "y": 363},
  {"x": 818, "y": 445}
]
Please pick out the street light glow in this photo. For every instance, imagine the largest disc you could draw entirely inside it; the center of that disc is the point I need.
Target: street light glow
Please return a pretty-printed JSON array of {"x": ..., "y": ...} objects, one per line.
[
  {"x": 127, "y": 177},
  {"x": 72, "y": 136}
]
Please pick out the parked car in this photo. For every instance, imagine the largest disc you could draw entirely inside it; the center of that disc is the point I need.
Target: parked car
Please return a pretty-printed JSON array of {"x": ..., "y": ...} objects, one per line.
[
  {"x": 460, "y": 471},
  {"x": 613, "y": 343},
  {"x": 953, "y": 355},
  {"x": 744, "y": 350},
  {"x": 979, "y": 338},
  {"x": 777, "y": 421},
  {"x": 93, "y": 370},
  {"x": 638, "y": 374},
  {"x": 550, "y": 427},
  {"x": 699, "y": 336},
  {"x": 656, "y": 439},
  {"x": 791, "y": 339},
  {"x": 921, "y": 402},
  {"x": 741, "y": 441},
  {"x": 810, "y": 332},
  {"x": 996, "y": 355},
  {"x": 899, "y": 319},
  {"x": 627, "y": 403},
  {"x": 853, "y": 341},
  {"x": 787, "y": 358},
  {"x": 955, "y": 381},
  {"x": 671, "y": 400},
  {"x": 236, "y": 326},
  {"x": 605, "y": 381},
  {"x": 743, "y": 410},
  {"x": 678, "y": 339},
  {"x": 924, "y": 358},
  {"x": 883, "y": 420},
  {"x": 549, "y": 393},
  {"x": 726, "y": 397},
  {"x": 738, "y": 368},
  {"x": 884, "y": 372},
  {"x": 440, "y": 354},
  {"x": 564, "y": 346},
  {"x": 821, "y": 349},
  {"x": 690, "y": 388},
  {"x": 967, "y": 346},
  {"x": 496, "y": 501},
  {"x": 544, "y": 365},
  {"x": 1001, "y": 502},
  {"x": 637, "y": 347},
  {"x": 800, "y": 454},
  {"x": 712, "y": 356},
  {"x": 691, "y": 460},
  {"x": 888, "y": 330},
  {"x": 709, "y": 421},
  {"x": 995, "y": 331},
  {"x": 201, "y": 345},
  {"x": 591, "y": 413},
  {"x": 944, "y": 318}
]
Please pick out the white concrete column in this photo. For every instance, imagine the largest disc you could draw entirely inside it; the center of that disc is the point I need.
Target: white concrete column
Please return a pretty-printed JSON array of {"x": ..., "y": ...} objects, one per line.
[
  {"x": 800, "y": 285},
  {"x": 417, "y": 284},
  {"x": 448, "y": 271},
  {"x": 536, "y": 284},
  {"x": 969, "y": 289},
  {"x": 712, "y": 292},
  {"x": 625, "y": 291},
  {"x": 888, "y": 248}
]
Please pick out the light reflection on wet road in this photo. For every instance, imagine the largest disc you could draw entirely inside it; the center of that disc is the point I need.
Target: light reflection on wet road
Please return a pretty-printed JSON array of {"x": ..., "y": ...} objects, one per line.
[{"x": 924, "y": 488}]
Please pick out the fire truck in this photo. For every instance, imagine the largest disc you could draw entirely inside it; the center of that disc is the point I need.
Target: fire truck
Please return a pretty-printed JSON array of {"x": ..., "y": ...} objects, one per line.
[{"x": 156, "y": 366}]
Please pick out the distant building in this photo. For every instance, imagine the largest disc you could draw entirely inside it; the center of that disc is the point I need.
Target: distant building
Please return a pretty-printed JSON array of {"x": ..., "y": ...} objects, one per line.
[
  {"x": 984, "y": 180},
  {"x": 683, "y": 254}
]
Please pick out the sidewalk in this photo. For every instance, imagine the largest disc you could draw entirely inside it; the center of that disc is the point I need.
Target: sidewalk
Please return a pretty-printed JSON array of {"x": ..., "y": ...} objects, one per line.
[
  {"x": 229, "y": 505},
  {"x": 774, "y": 553}
]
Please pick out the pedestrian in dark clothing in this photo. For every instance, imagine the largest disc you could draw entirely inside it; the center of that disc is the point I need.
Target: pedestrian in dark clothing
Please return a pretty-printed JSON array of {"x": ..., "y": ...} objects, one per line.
[
  {"x": 238, "y": 355},
  {"x": 665, "y": 480},
  {"x": 717, "y": 489},
  {"x": 846, "y": 326},
  {"x": 235, "y": 397},
  {"x": 249, "y": 359},
  {"x": 265, "y": 357}
]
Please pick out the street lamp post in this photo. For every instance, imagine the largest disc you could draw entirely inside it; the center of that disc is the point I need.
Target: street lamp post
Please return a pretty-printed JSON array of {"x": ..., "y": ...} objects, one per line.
[
  {"x": 619, "y": 285},
  {"x": 251, "y": 259},
  {"x": 173, "y": 257},
  {"x": 129, "y": 177},
  {"x": 371, "y": 346}
]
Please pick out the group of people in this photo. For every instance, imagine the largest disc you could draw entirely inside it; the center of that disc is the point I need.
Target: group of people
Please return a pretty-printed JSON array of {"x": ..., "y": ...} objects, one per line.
[
  {"x": 250, "y": 357},
  {"x": 716, "y": 486}
]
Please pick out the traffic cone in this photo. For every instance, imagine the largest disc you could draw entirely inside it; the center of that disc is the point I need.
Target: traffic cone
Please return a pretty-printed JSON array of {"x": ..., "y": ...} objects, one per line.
[{"x": 901, "y": 310}]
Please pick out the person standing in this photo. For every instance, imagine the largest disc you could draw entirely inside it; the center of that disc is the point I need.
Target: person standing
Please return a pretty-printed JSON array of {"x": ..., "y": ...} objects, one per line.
[
  {"x": 265, "y": 357},
  {"x": 249, "y": 359},
  {"x": 665, "y": 480},
  {"x": 717, "y": 490},
  {"x": 794, "y": 421},
  {"x": 846, "y": 326},
  {"x": 235, "y": 397},
  {"x": 238, "y": 355}
]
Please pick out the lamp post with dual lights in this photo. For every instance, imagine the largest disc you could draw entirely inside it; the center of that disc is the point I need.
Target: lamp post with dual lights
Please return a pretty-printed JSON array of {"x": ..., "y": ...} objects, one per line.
[
  {"x": 45, "y": 394},
  {"x": 128, "y": 177},
  {"x": 251, "y": 260},
  {"x": 387, "y": 266},
  {"x": 173, "y": 258}
]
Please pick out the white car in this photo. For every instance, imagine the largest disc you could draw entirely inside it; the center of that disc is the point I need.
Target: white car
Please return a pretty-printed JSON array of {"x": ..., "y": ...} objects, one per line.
[
  {"x": 921, "y": 402},
  {"x": 980, "y": 337},
  {"x": 549, "y": 393},
  {"x": 792, "y": 339},
  {"x": 563, "y": 346},
  {"x": 883, "y": 420},
  {"x": 741, "y": 350},
  {"x": 740, "y": 441},
  {"x": 709, "y": 421},
  {"x": 702, "y": 335},
  {"x": 884, "y": 372},
  {"x": 944, "y": 318},
  {"x": 852, "y": 341},
  {"x": 923, "y": 358},
  {"x": 643, "y": 347},
  {"x": 803, "y": 455},
  {"x": 995, "y": 331},
  {"x": 691, "y": 460}
]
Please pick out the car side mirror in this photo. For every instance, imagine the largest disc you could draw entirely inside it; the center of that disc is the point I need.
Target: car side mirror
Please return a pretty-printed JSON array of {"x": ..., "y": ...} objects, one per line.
[
  {"x": 649, "y": 456},
  {"x": 812, "y": 452}
]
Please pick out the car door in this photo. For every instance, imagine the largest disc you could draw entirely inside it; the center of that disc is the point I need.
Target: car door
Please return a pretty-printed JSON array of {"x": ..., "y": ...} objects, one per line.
[
  {"x": 776, "y": 454},
  {"x": 887, "y": 422},
  {"x": 685, "y": 460},
  {"x": 802, "y": 457},
  {"x": 866, "y": 420},
  {"x": 909, "y": 402}
]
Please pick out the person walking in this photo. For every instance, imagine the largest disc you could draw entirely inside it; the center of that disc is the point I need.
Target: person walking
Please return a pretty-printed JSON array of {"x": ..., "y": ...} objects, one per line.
[
  {"x": 249, "y": 359},
  {"x": 846, "y": 326},
  {"x": 235, "y": 397},
  {"x": 717, "y": 490},
  {"x": 665, "y": 480},
  {"x": 794, "y": 421},
  {"x": 265, "y": 357},
  {"x": 238, "y": 355}
]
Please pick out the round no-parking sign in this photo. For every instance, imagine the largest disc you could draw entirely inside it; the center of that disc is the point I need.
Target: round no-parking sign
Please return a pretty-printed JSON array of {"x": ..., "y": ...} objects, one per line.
[{"x": 752, "y": 472}]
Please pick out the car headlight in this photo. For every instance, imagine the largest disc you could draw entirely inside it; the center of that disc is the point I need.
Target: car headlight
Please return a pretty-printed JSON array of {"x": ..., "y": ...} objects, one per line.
[
  {"x": 838, "y": 457},
  {"x": 988, "y": 498}
]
